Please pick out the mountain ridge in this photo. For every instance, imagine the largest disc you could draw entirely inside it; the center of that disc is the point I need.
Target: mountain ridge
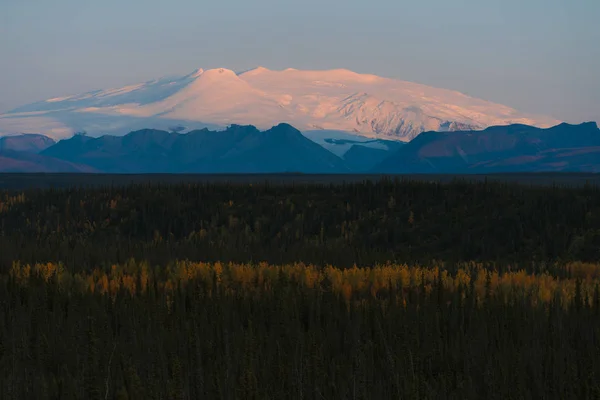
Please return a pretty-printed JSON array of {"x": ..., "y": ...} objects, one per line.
[
  {"x": 245, "y": 149},
  {"x": 498, "y": 149},
  {"x": 238, "y": 149}
]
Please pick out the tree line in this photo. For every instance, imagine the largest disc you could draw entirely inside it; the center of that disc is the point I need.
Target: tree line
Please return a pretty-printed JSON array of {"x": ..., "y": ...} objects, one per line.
[{"x": 343, "y": 225}]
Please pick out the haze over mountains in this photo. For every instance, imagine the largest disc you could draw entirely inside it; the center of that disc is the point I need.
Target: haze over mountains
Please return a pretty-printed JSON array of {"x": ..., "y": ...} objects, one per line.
[{"x": 339, "y": 100}]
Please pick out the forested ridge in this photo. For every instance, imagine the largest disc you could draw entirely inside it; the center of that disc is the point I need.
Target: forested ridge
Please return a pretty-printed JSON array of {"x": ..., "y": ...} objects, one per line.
[{"x": 389, "y": 289}]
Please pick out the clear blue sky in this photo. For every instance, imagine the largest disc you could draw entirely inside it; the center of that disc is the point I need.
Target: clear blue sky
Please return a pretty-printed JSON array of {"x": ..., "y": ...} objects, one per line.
[{"x": 539, "y": 56}]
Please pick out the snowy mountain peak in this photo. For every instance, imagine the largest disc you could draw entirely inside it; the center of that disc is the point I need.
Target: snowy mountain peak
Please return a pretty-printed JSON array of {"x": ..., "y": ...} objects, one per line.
[
  {"x": 218, "y": 73},
  {"x": 256, "y": 70},
  {"x": 336, "y": 75},
  {"x": 336, "y": 99},
  {"x": 197, "y": 73}
]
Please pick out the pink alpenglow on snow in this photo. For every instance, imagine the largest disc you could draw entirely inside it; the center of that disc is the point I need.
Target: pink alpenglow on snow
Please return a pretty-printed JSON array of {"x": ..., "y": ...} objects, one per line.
[{"x": 309, "y": 100}]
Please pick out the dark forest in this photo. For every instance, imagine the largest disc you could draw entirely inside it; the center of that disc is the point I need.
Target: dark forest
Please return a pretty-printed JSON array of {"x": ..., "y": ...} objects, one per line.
[{"x": 376, "y": 289}]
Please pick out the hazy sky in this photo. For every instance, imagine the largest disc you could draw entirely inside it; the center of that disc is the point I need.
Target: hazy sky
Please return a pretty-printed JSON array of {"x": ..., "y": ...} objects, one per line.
[{"x": 540, "y": 56}]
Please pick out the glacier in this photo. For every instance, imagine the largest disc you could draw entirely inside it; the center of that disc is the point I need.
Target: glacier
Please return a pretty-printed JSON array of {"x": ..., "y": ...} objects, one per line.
[{"x": 336, "y": 100}]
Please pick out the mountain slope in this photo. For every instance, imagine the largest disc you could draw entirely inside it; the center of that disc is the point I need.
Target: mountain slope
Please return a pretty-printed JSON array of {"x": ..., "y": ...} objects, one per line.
[
  {"x": 15, "y": 161},
  {"x": 513, "y": 148},
  {"x": 362, "y": 159},
  {"x": 238, "y": 149},
  {"x": 29, "y": 143},
  {"x": 310, "y": 100}
]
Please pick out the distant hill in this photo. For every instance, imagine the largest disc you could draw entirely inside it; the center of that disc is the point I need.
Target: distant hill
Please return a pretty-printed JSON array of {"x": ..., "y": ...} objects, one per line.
[
  {"x": 238, "y": 149},
  {"x": 15, "y": 161},
  {"x": 512, "y": 148},
  {"x": 30, "y": 143}
]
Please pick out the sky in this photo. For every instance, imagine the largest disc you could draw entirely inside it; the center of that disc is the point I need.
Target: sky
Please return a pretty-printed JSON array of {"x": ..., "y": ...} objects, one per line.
[{"x": 538, "y": 56}]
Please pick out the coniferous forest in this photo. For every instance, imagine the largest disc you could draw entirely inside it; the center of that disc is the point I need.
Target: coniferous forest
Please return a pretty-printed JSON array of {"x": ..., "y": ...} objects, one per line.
[{"x": 376, "y": 290}]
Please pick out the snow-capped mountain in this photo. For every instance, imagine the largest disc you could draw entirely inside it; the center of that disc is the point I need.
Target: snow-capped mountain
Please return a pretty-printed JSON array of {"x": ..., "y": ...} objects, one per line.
[{"x": 309, "y": 100}]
